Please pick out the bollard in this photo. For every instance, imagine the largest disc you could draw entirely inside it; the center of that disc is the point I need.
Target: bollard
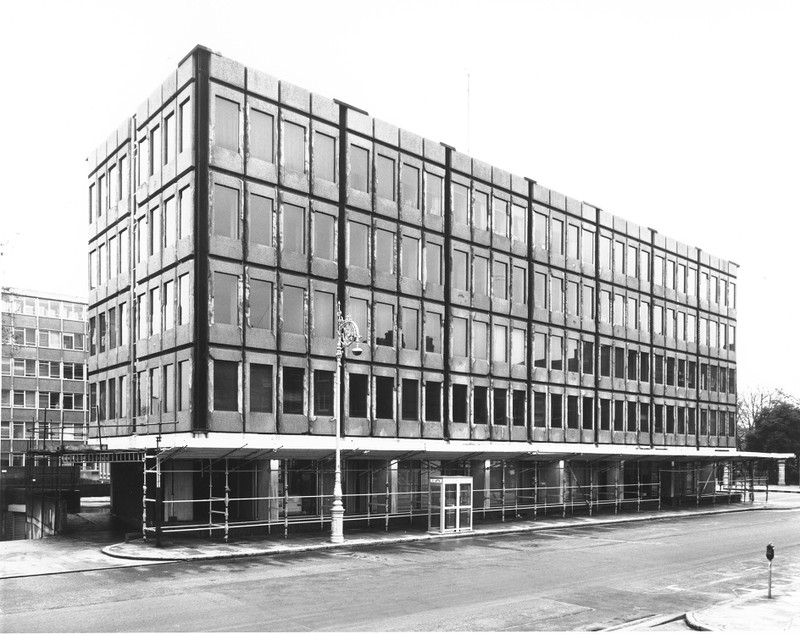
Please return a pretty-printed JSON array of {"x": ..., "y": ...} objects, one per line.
[{"x": 770, "y": 557}]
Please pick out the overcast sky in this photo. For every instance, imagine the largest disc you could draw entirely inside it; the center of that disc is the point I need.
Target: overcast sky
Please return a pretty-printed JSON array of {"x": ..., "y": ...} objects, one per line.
[{"x": 680, "y": 116}]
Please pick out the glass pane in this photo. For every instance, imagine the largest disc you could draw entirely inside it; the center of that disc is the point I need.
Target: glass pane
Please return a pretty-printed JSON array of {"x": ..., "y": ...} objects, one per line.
[
  {"x": 294, "y": 147},
  {"x": 226, "y": 124},
  {"x": 260, "y": 220}
]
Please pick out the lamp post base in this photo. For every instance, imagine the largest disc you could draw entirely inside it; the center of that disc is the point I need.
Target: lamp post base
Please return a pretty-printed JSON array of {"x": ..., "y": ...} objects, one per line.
[{"x": 337, "y": 522}]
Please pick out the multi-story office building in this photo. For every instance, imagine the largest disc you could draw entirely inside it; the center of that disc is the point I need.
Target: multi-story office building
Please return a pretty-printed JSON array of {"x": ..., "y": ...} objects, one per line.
[
  {"x": 554, "y": 353},
  {"x": 43, "y": 373}
]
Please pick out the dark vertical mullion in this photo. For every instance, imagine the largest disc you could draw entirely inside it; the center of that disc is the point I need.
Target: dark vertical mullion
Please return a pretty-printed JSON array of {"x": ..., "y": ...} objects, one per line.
[
  {"x": 697, "y": 353},
  {"x": 447, "y": 272},
  {"x": 245, "y": 255},
  {"x": 529, "y": 329},
  {"x": 596, "y": 359},
  {"x": 651, "y": 382},
  {"x": 340, "y": 245},
  {"x": 201, "y": 243}
]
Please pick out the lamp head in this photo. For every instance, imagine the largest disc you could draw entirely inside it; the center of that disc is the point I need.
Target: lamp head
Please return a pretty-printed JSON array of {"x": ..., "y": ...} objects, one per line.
[{"x": 356, "y": 350}]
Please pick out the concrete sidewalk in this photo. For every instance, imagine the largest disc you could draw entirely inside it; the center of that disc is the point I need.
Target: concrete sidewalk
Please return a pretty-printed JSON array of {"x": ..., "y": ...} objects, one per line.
[{"x": 753, "y": 612}]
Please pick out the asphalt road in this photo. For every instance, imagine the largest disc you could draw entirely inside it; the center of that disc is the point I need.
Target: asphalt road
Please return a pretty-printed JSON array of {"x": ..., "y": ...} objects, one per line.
[{"x": 571, "y": 579}]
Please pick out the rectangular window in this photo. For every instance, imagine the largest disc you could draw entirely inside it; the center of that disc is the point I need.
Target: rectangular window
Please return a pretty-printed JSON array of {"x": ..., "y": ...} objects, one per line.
[
  {"x": 539, "y": 409},
  {"x": 459, "y": 347},
  {"x": 261, "y": 388},
  {"x": 434, "y": 203},
  {"x": 260, "y": 225},
  {"x": 260, "y": 304},
  {"x": 572, "y": 298},
  {"x": 573, "y": 247},
  {"x": 323, "y": 393},
  {"x": 460, "y": 274},
  {"x": 358, "y": 244},
  {"x": 519, "y": 290},
  {"x": 324, "y": 317},
  {"x": 539, "y": 350},
  {"x": 658, "y": 270},
  {"x": 658, "y": 369},
  {"x": 261, "y": 135},
  {"x": 499, "y": 406},
  {"x": 226, "y": 300},
  {"x": 324, "y": 236},
  {"x": 460, "y": 204},
  {"x": 587, "y": 302},
  {"x": 384, "y": 397},
  {"x": 359, "y": 311},
  {"x": 186, "y": 212},
  {"x": 168, "y": 389},
  {"x": 384, "y": 251},
  {"x": 226, "y": 385},
  {"x": 433, "y": 264},
  {"x": 556, "y": 411},
  {"x": 644, "y": 366},
  {"x": 619, "y": 257},
  {"x": 226, "y": 124},
  {"x": 480, "y": 333},
  {"x": 185, "y": 123},
  {"x": 619, "y": 415},
  {"x": 184, "y": 382},
  {"x": 433, "y": 401},
  {"x": 384, "y": 324},
  {"x": 384, "y": 174},
  {"x": 644, "y": 265},
  {"x": 587, "y": 412},
  {"x": 517, "y": 346},
  {"x": 293, "y": 309},
  {"x": 500, "y": 280},
  {"x": 460, "y": 403},
  {"x": 358, "y": 395},
  {"x": 619, "y": 310},
  {"x": 619, "y": 362},
  {"x": 433, "y": 332},
  {"x": 293, "y": 380},
  {"x": 605, "y": 360},
  {"x": 633, "y": 363},
  {"x": 226, "y": 211},
  {"x": 410, "y": 328},
  {"x": 480, "y": 210},
  {"x": 631, "y": 416},
  {"x": 499, "y": 343},
  {"x": 324, "y": 157},
  {"x": 632, "y": 316},
  {"x": 156, "y": 150},
  {"x": 410, "y": 400},
  {"x": 294, "y": 229},
  {"x": 605, "y": 253},
  {"x": 556, "y": 295},
  {"x": 588, "y": 357},
  {"x": 410, "y": 186},
  {"x": 481, "y": 404},
  {"x": 169, "y": 138},
  {"x": 480, "y": 274},
  {"x": 410, "y": 257},
  {"x": 294, "y": 145},
  {"x": 540, "y": 230},
  {"x": 359, "y": 168},
  {"x": 540, "y": 290},
  {"x": 573, "y": 358},
  {"x": 169, "y": 305},
  {"x": 519, "y": 226},
  {"x": 587, "y": 246},
  {"x": 556, "y": 352},
  {"x": 499, "y": 216}
]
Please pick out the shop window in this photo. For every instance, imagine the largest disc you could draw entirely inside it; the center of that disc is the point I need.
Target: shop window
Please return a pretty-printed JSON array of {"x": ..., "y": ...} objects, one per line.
[
  {"x": 433, "y": 401},
  {"x": 499, "y": 406},
  {"x": 410, "y": 400},
  {"x": 261, "y": 135},
  {"x": 226, "y": 385},
  {"x": 324, "y": 157},
  {"x": 226, "y": 124},
  {"x": 226, "y": 211},
  {"x": 384, "y": 397},
  {"x": 294, "y": 147}
]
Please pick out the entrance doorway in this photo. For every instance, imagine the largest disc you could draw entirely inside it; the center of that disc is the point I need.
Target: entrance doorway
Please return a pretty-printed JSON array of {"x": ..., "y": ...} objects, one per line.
[{"x": 450, "y": 504}]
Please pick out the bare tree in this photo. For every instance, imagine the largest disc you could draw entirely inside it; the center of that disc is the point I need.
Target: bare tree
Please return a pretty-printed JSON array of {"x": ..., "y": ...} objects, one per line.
[{"x": 751, "y": 403}]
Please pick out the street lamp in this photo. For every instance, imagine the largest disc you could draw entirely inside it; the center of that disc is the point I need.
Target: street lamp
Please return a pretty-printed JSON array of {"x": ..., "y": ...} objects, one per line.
[{"x": 347, "y": 335}]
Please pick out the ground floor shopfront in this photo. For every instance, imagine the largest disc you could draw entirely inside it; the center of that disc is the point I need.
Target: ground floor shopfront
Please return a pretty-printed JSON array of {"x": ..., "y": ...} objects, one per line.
[{"x": 228, "y": 491}]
